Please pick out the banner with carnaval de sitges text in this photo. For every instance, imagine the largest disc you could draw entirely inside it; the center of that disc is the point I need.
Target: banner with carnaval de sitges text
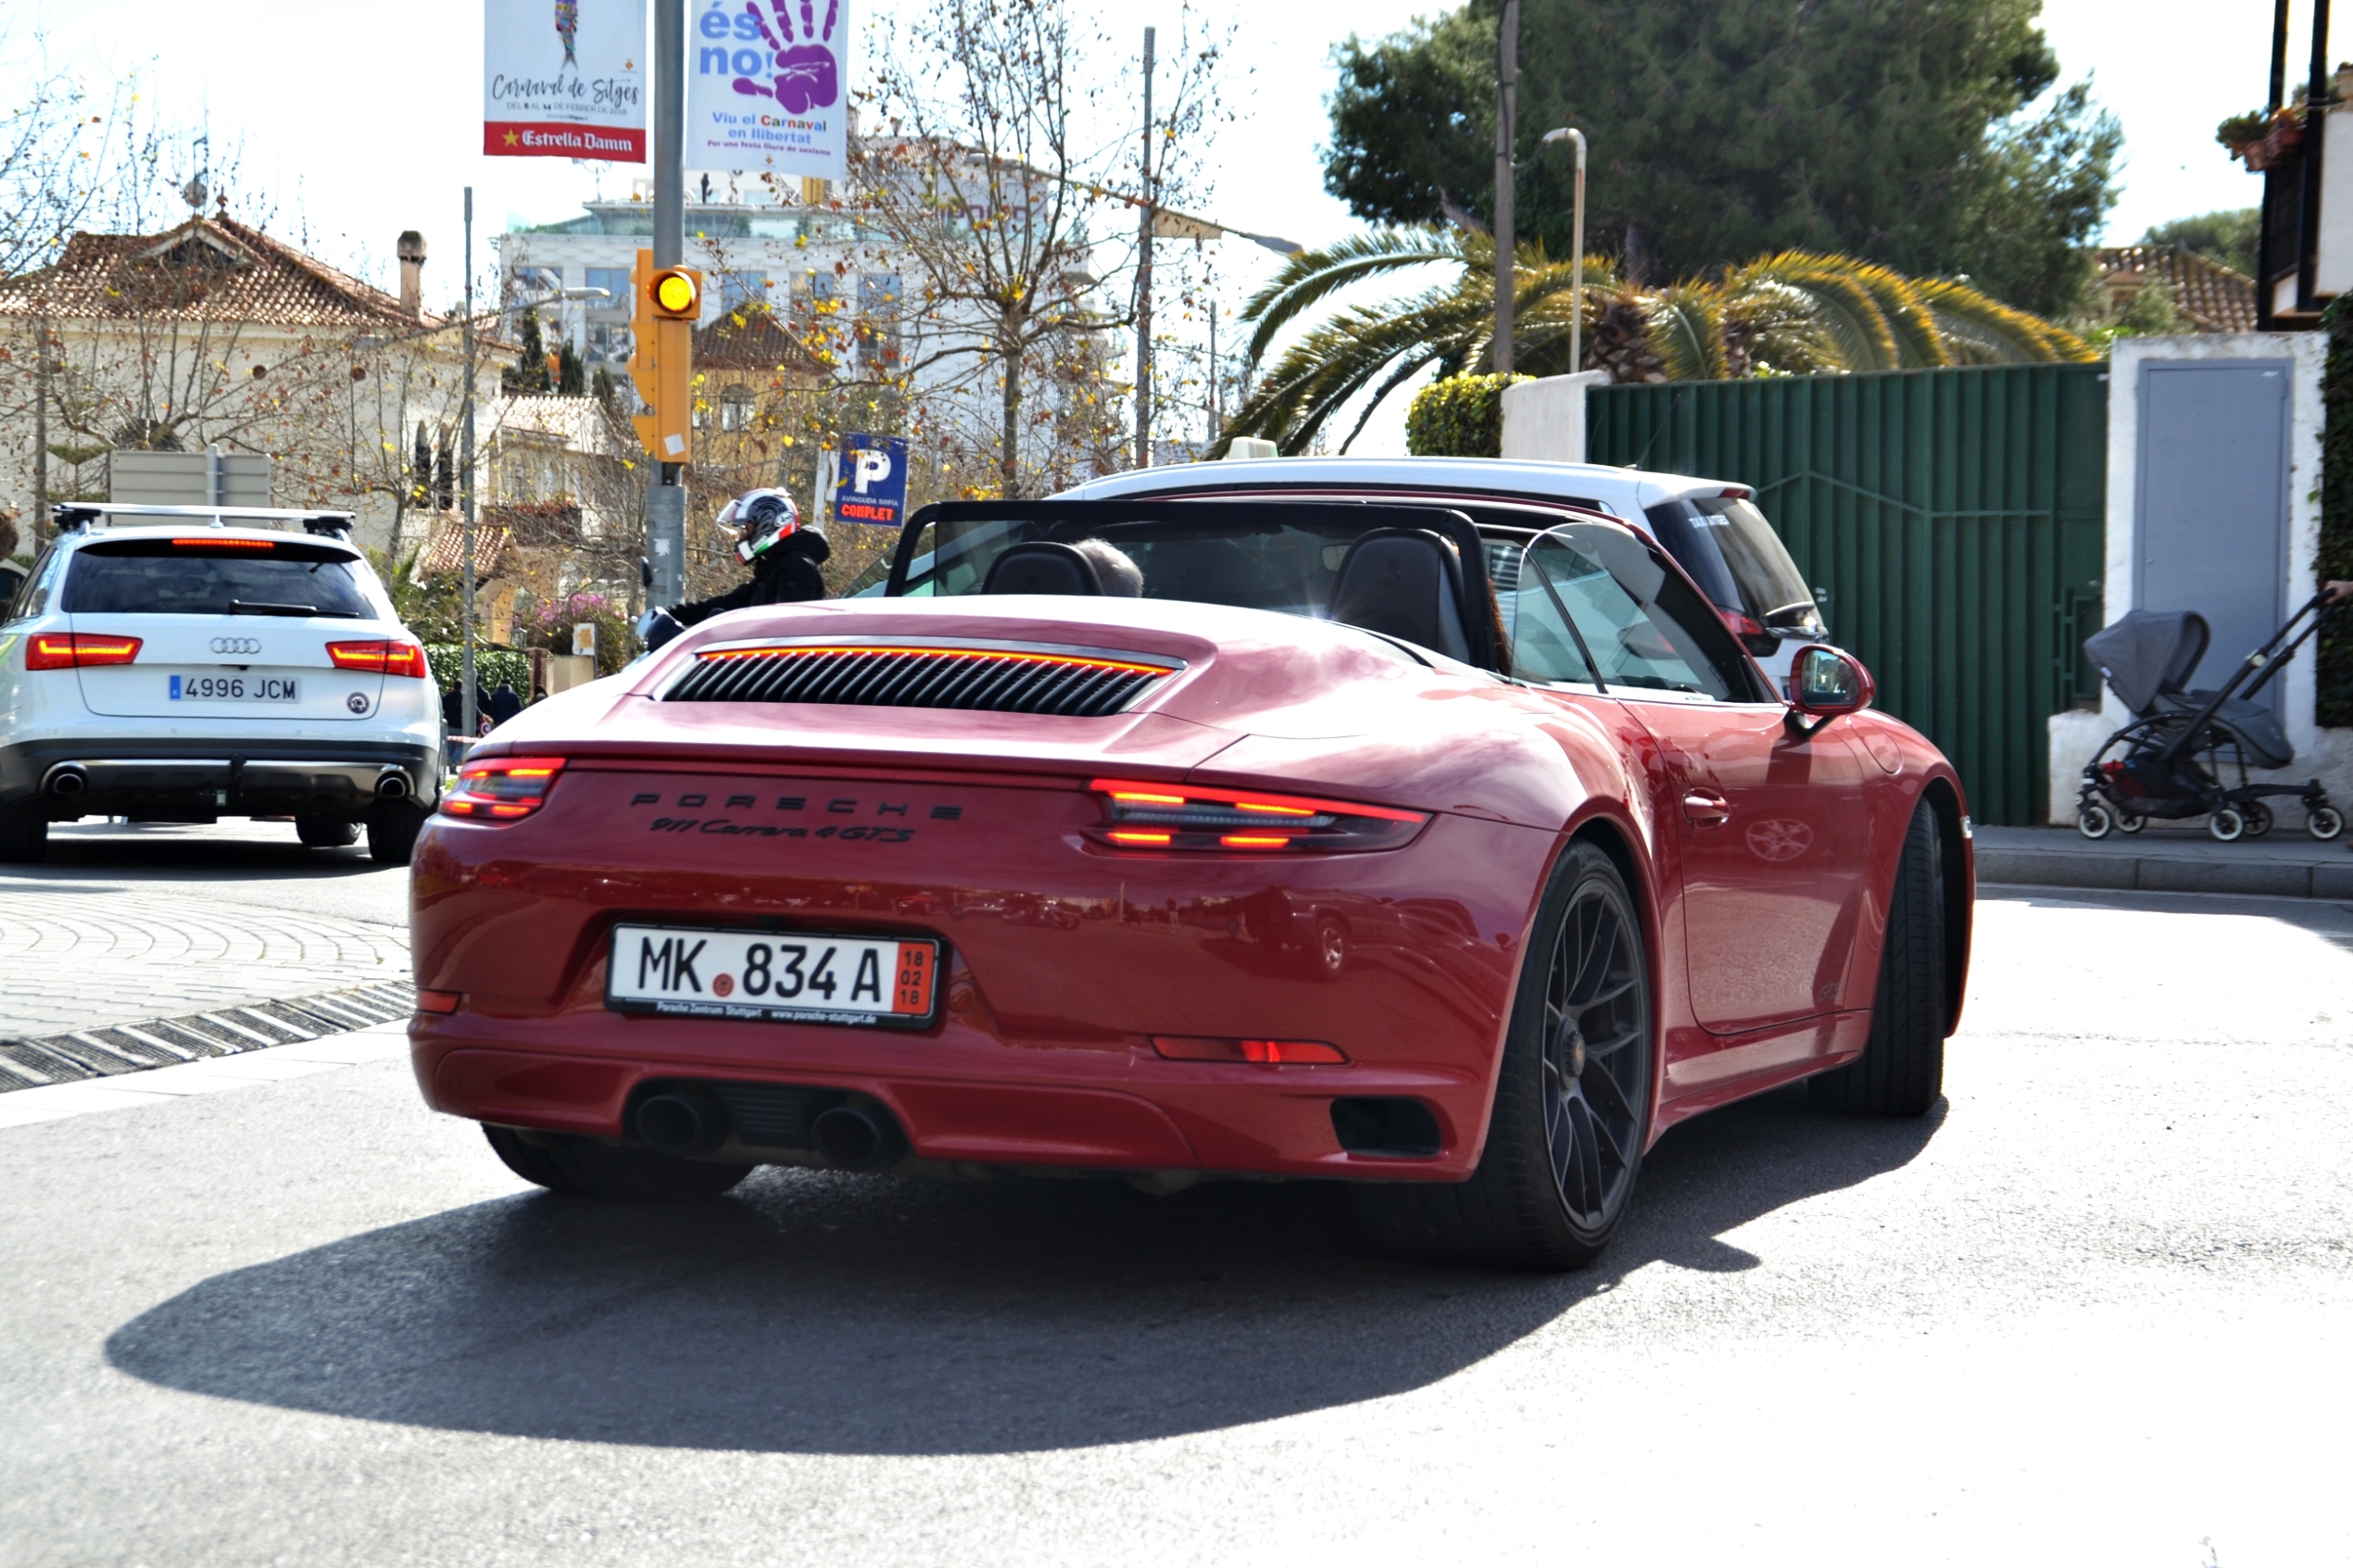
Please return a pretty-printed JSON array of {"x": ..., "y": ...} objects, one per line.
[
  {"x": 767, "y": 86},
  {"x": 564, "y": 79}
]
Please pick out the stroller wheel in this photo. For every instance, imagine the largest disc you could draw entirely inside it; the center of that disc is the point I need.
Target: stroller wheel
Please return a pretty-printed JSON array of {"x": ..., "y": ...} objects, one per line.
[
  {"x": 2093, "y": 820},
  {"x": 2226, "y": 824},
  {"x": 2258, "y": 818},
  {"x": 2130, "y": 821},
  {"x": 2325, "y": 822}
]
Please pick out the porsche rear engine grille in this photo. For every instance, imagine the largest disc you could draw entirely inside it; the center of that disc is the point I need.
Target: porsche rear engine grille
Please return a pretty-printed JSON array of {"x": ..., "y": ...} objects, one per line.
[{"x": 1072, "y": 684}]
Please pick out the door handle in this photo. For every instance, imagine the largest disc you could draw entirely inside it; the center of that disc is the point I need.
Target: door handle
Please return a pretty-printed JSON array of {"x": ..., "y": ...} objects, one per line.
[{"x": 1706, "y": 808}]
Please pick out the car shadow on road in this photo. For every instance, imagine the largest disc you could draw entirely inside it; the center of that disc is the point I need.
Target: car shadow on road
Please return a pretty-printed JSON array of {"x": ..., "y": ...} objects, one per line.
[{"x": 816, "y": 1313}]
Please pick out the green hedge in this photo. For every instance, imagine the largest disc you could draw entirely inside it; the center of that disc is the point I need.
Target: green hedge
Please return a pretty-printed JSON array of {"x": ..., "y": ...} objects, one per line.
[
  {"x": 1459, "y": 417},
  {"x": 2335, "y": 656},
  {"x": 491, "y": 666}
]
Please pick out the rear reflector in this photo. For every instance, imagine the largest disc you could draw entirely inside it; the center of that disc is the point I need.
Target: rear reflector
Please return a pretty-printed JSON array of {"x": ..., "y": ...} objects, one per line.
[
  {"x": 1206, "y": 1048},
  {"x": 394, "y": 657},
  {"x": 437, "y": 1001},
  {"x": 77, "y": 650},
  {"x": 501, "y": 789},
  {"x": 1181, "y": 817}
]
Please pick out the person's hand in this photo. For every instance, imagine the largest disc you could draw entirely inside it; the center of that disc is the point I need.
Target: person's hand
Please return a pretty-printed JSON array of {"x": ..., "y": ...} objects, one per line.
[{"x": 2338, "y": 591}]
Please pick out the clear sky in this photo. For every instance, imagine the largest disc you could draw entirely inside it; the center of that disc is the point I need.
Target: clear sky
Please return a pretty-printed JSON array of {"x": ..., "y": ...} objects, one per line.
[{"x": 364, "y": 120}]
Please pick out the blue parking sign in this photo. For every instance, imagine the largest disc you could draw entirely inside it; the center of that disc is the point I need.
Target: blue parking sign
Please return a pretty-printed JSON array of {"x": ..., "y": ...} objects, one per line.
[{"x": 870, "y": 486}]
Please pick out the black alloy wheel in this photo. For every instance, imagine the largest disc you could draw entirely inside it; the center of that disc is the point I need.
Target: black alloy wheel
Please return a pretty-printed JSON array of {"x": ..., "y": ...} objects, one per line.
[
  {"x": 24, "y": 834},
  {"x": 318, "y": 832},
  {"x": 1596, "y": 1058},
  {"x": 392, "y": 826},
  {"x": 1572, "y": 1102},
  {"x": 587, "y": 1168}
]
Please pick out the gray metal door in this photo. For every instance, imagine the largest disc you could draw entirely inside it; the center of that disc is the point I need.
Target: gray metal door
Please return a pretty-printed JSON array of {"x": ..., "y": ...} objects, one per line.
[{"x": 2212, "y": 501}]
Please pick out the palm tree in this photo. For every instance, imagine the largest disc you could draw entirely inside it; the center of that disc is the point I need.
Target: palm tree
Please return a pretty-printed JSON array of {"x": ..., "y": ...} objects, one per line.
[{"x": 1796, "y": 313}]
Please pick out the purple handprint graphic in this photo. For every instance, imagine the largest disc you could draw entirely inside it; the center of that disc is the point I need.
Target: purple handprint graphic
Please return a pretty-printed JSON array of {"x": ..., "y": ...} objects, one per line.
[{"x": 807, "y": 77}]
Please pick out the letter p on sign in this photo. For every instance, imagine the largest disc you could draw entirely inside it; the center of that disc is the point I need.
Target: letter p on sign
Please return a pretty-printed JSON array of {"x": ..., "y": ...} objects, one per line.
[{"x": 874, "y": 467}]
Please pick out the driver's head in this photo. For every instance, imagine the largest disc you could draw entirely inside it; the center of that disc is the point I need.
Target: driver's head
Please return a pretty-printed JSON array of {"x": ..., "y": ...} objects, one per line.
[{"x": 761, "y": 519}]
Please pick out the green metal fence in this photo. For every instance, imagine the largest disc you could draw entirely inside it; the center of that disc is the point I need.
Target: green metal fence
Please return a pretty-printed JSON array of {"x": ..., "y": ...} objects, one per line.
[{"x": 1954, "y": 517}]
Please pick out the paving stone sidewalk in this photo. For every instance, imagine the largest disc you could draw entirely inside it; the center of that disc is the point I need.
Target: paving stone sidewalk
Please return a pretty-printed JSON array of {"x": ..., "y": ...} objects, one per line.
[{"x": 99, "y": 981}]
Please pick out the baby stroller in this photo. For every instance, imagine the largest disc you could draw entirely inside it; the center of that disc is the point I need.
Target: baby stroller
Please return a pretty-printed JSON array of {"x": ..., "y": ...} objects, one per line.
[{"x": 2173, "y": 760}]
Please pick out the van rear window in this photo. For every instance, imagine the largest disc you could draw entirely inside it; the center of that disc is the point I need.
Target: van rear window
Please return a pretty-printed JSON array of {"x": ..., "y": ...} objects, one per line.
[{"x": 165, "y": 577}]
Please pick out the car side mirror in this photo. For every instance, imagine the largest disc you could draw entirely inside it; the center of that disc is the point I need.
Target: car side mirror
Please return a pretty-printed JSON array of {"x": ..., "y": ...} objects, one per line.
[{"x": 1825, "y": 682}]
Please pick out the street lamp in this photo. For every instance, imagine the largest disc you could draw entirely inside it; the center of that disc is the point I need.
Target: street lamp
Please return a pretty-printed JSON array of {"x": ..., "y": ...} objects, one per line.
[{"x": 1577, "y": 268}]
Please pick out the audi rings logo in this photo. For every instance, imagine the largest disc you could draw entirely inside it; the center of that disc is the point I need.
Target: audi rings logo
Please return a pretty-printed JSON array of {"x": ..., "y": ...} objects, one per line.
[{"x": 236, "y": 644}]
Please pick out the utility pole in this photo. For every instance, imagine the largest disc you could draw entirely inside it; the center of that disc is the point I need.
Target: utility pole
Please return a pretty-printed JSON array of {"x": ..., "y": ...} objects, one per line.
[
  {"x": 470, "y": 717},
  {"x": 666, "y": 497},
  {"x": 1144, "y": 281},
  {"x": 1216, "y": 423},
  {"x": 40, "y": 430},
  {"x": 1506, "y": 116}
]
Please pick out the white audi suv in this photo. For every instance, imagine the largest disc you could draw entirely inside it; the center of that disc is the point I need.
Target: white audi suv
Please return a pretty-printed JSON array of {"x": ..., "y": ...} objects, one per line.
[{"x": 163, "y": 665}]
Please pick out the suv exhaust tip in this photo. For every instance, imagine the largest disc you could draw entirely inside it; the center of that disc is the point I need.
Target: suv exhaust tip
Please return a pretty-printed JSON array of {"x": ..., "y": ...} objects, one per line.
[
  {"x": 67, "y": 778},
  {"x": 392, "y": 785}
]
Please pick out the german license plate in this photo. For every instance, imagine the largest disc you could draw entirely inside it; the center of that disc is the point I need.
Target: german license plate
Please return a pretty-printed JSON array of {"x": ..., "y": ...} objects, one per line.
[
  {"x": 236, "y": 688},
  {"x": 779, "y": 976}
]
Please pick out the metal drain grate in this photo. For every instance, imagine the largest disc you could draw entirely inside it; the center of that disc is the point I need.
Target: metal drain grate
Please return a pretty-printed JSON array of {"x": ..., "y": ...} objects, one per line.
[{"x": 130, "y": 1048}]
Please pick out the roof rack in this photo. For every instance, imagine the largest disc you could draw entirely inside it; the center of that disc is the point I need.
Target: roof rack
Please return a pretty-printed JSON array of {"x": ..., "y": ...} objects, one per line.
[{"x": 72, "y": 517}]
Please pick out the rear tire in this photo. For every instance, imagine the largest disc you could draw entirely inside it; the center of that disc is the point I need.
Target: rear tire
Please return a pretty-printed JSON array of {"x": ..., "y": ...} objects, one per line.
[
  {"x": 2325, "y": 822},
  {"x": 1901, "y": 1070},
  {"x": 1572, "y": 1102},
  {"x": 2258, "y": 818},
  {"x": 326, "y": 833},
  {"x": 24, "y": 834},
  {"x": 2226, "y": 825},
  {"x": 392, "y": 826},
  {"x": 585, "y": 1168}
]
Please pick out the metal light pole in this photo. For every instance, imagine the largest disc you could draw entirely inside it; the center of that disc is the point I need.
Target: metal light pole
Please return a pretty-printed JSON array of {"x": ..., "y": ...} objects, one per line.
[
  {"x": 1577, "y": 268},
  {"x": 1506, "y": 116},
  {"x": 470, "y": 717},
  {"x": 666, "y": 497},
  {"x": 1144, "y": 282}
]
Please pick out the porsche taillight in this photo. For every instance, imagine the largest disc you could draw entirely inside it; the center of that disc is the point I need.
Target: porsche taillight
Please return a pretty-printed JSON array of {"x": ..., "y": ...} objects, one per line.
[
  {"x": 501, "y": 789},
  {"x": 77, "y": 650},
  {"x": 394, "y": 656},
  {"x": 1182, "y": 817}
]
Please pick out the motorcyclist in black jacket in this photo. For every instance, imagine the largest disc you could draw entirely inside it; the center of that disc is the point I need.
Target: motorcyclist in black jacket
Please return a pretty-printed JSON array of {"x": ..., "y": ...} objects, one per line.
[{"x": 784, "y": 557}]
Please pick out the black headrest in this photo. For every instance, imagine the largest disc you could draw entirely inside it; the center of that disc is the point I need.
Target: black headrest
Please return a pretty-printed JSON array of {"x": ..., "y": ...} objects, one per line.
[
  {"x": 1040, "y": 566},
  {"x": 1403, "y": 583}
]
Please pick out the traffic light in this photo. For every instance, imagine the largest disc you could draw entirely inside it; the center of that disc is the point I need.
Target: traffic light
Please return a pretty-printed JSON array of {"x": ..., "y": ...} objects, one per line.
[{"x": 666, "y": 300}]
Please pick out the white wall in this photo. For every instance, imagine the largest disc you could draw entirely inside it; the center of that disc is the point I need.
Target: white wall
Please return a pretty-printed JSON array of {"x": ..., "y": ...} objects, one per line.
[
  {"x": 1544, "y": 420},
  {"x": 2326, "y": 755}
]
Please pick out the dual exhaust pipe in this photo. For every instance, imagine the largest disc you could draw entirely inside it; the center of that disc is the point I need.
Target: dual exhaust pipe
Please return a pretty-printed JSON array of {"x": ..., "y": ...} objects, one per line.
[{"x": 687, "y": 1123}]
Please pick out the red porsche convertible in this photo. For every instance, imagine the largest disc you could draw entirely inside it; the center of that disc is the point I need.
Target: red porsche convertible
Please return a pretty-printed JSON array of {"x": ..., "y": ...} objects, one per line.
[{"x": 1456, "y": 859}]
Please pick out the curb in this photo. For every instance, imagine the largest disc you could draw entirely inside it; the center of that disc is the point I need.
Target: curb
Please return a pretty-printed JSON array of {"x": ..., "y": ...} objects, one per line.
[
  {"x": 81, "y": 1055},
  {"x": 2164, "y": 874}
]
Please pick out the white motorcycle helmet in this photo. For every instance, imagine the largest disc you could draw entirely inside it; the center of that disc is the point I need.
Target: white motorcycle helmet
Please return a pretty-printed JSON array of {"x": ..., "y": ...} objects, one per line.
[{"x": 760, "y": 517}]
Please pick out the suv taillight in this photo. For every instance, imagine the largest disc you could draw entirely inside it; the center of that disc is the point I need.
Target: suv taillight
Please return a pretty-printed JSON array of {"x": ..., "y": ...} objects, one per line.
[
  {"x": 500, "y": 790},
  {"x": 77, "y": 650},
  {"x": 396, "y": 657}
]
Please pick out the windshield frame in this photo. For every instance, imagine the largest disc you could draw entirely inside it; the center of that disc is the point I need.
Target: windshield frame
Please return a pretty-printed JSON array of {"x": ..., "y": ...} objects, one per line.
[{"x": 1482, "y": 623}]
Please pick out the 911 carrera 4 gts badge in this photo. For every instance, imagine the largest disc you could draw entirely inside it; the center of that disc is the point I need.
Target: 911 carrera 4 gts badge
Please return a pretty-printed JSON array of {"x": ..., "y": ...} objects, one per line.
[{"x": 752, "y": 816}]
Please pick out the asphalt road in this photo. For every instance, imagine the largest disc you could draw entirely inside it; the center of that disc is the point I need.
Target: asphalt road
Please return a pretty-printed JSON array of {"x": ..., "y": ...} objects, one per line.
[{"x": 2096, "y": 1310}]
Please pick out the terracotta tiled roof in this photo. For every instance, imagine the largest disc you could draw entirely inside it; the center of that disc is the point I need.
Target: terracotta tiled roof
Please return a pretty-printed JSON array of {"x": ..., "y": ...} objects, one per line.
[
  {"x": 752, "y": 339},
  {"x": 208, "y": 268},
  {"x": 445, "y": 551},
  {"x": 2215, "y": 298}
]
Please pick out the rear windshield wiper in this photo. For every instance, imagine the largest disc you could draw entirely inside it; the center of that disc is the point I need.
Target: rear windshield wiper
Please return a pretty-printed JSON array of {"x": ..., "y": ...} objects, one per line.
[{"x": 247, "y": 607}]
